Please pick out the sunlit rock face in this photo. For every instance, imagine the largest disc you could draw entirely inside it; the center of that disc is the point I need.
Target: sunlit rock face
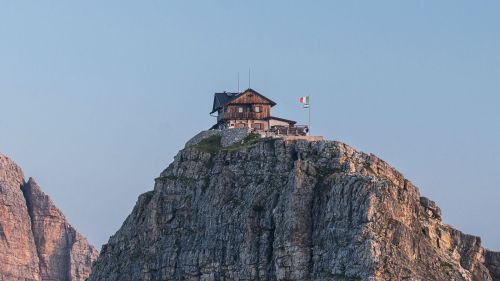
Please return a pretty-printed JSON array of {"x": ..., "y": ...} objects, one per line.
[
  {"x": 36, "y": 241},
  {"x": 288, "y": 210},
  {"x": 18, "y": 255}
]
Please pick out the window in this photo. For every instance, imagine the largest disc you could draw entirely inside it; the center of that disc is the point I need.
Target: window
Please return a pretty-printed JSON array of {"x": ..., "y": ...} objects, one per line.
[
  {"x": 257, "y": 109},
  {"x": 257, "y": 126},
  {"x": 241, "y": 125},
  {"x": 240, "y": 109}
]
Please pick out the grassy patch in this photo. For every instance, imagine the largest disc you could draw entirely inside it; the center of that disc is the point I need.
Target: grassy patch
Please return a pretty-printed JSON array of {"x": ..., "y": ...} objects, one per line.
[
  {"x": 164, "y": 178},
  {"x": 211, "y": 144},
  {"x": 250, "y": 140}
]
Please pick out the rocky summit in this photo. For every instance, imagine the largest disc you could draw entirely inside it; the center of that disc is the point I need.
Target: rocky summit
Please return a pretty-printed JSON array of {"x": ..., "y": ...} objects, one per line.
[
  {"x": 277, "y": 209},
  {"x": 36, "y": 241}
]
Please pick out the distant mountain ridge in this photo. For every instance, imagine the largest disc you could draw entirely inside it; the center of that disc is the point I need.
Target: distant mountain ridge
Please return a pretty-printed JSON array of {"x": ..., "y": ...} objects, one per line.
[
  {"x": 36, "y": 241},
  {"x": 275, "y": 209}
]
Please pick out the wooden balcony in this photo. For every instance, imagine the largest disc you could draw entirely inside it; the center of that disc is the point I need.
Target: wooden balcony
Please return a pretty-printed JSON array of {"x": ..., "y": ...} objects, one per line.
[{"x": 242, "y": 115}]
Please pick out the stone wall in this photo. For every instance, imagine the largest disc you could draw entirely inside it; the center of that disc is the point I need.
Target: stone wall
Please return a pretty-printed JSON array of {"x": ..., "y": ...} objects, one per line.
[
  {"x": 231, "y": 136},
  {"x": 201, "y": 136},
  {"x": 228, "y": 136},
  {"x": 306, "y": 138}
]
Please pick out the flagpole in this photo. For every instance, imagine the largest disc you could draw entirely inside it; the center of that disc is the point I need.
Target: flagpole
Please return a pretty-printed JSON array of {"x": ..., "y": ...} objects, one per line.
[
  {"x": 309, "y": 115},
  {"x": 306, "y": 103}
]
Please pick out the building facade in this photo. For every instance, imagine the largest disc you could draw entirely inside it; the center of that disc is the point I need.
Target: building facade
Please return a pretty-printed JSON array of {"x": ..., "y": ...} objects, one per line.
[{"x": 248, "y": 109}]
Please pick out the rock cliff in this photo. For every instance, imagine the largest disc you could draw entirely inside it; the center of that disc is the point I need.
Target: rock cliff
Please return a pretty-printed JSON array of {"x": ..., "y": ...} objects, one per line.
[
  {"x": 272, "y": 209},
  {"x": 36, "y": 241}
]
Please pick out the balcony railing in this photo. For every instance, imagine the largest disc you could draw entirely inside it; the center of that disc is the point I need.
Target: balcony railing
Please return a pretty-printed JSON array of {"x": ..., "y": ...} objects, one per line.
[
  {"x": 242, "y": 115},
  {"x": 299, "y": 130}
]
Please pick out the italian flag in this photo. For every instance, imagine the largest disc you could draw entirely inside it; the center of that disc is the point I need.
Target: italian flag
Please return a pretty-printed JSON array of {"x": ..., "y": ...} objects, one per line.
[{"x": 304, "y": 100}]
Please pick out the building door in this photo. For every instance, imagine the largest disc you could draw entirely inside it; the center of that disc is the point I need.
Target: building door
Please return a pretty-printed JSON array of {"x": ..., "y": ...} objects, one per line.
[{"x": 257, "y": 126}]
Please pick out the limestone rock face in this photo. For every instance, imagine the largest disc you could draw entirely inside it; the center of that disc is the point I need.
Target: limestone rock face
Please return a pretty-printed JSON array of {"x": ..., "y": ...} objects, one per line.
[
  {"x": 36, "y": 241},
  {"x": 63, "y": 252},
  {"x": 280, "y": 210},
  {"x": 18, "y": 255}
]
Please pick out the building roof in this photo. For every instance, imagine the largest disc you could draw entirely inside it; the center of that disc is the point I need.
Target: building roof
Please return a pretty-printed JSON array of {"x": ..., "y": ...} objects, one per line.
[{"x": 222, "y": 99}]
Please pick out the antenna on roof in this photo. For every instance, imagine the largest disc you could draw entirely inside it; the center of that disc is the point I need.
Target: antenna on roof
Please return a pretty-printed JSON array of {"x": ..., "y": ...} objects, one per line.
[
  {"x": 249, "y": 78},
  {"x": 238, "y": 82}
]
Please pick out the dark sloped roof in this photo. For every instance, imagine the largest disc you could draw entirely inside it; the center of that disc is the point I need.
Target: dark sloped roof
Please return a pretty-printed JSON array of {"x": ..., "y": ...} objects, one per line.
[{"x": 221, "y": 99}]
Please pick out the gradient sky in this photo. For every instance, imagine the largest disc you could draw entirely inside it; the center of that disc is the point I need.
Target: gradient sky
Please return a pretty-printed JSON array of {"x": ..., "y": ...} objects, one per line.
[{"x": 96, "y": 97}]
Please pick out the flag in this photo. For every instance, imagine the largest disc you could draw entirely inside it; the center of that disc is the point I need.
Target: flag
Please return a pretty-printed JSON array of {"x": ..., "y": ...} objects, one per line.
[{"x": 304, "y": 101}]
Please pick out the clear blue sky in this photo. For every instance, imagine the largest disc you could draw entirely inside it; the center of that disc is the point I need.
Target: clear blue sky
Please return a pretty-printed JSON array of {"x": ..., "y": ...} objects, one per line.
[{"x": 96, "y": 97}]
